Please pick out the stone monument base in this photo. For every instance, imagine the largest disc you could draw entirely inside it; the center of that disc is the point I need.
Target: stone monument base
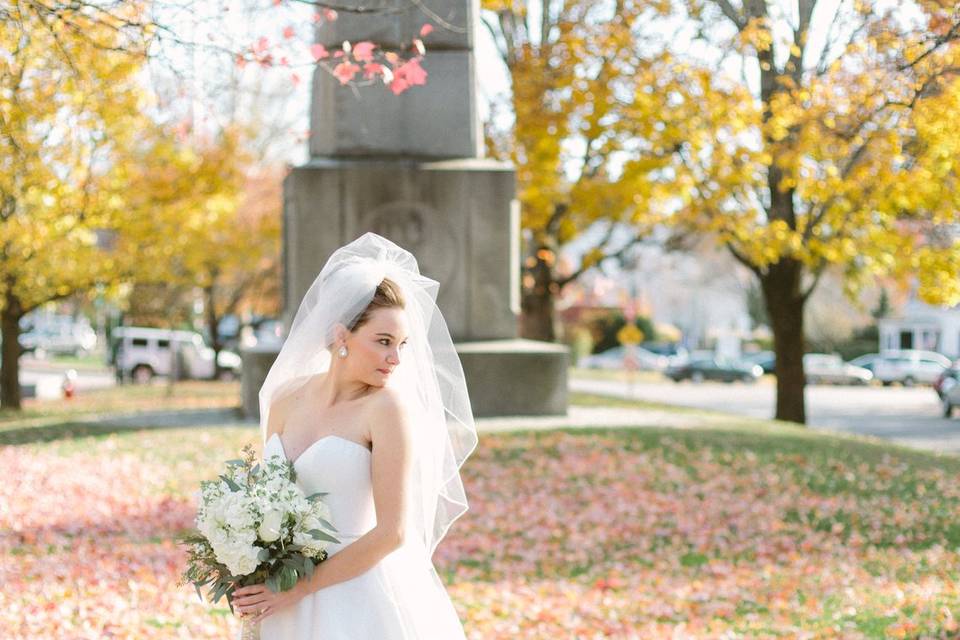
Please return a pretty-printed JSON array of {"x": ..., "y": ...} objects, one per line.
[
  {"x": 504, "y": 377},
  {"x": 515, "y": 377},
  {"x": 256, "y": 363}
]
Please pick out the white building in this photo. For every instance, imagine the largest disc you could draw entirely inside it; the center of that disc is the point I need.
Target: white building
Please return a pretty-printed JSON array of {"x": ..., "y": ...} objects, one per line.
[{"x": 921, "y": 326}]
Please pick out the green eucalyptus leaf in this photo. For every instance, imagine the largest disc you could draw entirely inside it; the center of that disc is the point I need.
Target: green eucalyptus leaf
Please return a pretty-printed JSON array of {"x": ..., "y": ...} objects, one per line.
[
  {"x": 230, "y": 483},
  {"x": 288, "y": 578},
  {"x": 273, "y": 583},
  {"x": 317, "y": 534}
]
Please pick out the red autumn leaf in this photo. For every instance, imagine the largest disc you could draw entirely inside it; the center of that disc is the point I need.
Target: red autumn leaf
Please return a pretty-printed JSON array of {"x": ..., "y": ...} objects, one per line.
[
  {"x": 345, "y": 71},
  {"x": 372, "y": 69},
  {"x": 414, "y": 72},
  {"x": 426, "y": 30},
  {"x": 363, "y": 51},
  {"x": 319, "y": 52}
]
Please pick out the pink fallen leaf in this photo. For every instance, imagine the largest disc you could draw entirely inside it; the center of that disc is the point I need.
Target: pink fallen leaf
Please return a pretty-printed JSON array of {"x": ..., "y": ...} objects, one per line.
[
  {"x": 289, "y": 32},
  {"x": 262, "y": 44},
  {"x": 426, "y": 30},
  {"x": 295, "y": 79},
  {"x": 319, "y": 52},
  {"x": 329, "y": 15},
  {"x": 345, "y": 71},
  {"x": 391, "y": 57},
  {"x": 363, "y": 51}
]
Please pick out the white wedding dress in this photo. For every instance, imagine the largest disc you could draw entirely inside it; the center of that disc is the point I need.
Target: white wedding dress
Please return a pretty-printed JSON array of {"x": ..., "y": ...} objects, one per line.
[{"x": 399, "y": 598}]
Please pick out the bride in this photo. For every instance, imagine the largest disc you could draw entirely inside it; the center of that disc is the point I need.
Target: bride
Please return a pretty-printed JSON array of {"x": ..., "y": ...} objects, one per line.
[{"x": 367, "y": 400}]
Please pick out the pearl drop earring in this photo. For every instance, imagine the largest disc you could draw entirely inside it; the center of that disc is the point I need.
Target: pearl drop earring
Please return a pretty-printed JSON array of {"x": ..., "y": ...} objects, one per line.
[{"x": 343, "y": 351}]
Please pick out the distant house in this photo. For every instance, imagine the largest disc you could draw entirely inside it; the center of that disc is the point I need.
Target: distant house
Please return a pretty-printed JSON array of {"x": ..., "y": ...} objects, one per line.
[{"x": 921, "y": 326}]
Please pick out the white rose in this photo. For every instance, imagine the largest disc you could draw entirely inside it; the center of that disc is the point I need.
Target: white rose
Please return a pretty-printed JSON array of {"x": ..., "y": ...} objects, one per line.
[{"x": 270, "y": 527}]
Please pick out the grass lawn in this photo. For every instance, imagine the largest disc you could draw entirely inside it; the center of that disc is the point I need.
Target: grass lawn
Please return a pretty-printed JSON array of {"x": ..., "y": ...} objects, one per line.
[{"x": 748, "y": 529}]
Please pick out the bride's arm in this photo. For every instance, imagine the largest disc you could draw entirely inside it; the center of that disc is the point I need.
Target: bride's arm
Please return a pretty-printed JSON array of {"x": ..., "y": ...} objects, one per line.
[{"x": 390, "y": 431}]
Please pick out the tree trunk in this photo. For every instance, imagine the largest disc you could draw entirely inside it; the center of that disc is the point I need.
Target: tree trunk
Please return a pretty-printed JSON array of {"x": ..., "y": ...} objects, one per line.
[
  {"x": 213, "y": 327},
  {"x": 537, "y": 303},
  {"x": 10, "y": 363},
  {"x": 785, "y": 303}
]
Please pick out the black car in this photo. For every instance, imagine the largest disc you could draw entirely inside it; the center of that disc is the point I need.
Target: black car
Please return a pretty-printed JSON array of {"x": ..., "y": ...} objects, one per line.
[
  {"x": 714, "y": 368},
  {"x": 766, "y": 359}
]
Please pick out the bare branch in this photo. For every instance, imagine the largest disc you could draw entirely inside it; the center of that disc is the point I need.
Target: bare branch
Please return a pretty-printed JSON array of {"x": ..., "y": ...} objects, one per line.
[{"x": 732, "y": 14}]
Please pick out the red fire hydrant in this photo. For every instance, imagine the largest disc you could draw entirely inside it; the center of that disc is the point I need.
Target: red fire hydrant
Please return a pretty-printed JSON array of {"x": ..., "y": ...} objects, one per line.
[{"x": 69, "y": 385}]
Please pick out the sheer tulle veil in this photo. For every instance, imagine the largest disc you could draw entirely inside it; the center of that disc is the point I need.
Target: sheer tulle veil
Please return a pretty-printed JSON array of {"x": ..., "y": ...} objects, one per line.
[{"x": 429, "y": 374}]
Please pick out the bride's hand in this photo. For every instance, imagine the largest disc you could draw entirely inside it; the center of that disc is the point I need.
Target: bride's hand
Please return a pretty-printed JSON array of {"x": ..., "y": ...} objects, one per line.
[{"x": 256, "y": 601}]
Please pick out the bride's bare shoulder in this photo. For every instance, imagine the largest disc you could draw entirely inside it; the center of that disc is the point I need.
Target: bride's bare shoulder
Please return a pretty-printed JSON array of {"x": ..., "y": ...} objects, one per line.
[{"x": 387, "y": 406}]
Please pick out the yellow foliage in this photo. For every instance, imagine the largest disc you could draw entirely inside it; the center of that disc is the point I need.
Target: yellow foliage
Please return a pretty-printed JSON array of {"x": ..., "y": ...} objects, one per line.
[{"x": 93, "y": 192}]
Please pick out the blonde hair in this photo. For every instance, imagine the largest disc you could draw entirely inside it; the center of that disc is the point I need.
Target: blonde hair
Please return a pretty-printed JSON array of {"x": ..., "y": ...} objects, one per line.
[{"x": 387, "y": 296}]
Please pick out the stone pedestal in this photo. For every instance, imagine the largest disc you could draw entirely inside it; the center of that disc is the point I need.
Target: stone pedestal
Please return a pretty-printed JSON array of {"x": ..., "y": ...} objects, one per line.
[
  {"x": 457, "y": 217},
  {"x": 256, "y": 364},
  {"x": 515, "y": 377},
  {"x": 504, "y": 377}
]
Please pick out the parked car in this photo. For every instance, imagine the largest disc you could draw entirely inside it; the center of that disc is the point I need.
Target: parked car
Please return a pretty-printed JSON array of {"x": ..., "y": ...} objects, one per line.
[
  {"x": 140, "y": 353},
  {"x": 949, "y": 389},
  {"x": 699, "y": 368},
  {"x": 952, "y": 372},
  {"x": 766, "y": 359},
  {"x": 61, "y": 335},
  {"x": 909, "y": 367},
  {"x": 823, "y": 368},
  {"x": 866, "y": 361},
  {"x": 673, "y": 351},
  {"x": 616, "y": 358}
]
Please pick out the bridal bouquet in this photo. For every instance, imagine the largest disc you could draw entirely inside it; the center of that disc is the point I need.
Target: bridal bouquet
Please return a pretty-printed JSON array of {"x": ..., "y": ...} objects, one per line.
[{"x": 255, "y": 525}]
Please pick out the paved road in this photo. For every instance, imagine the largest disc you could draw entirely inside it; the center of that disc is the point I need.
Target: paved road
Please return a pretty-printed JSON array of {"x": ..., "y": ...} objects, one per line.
[{"x": 907, "y": 416}]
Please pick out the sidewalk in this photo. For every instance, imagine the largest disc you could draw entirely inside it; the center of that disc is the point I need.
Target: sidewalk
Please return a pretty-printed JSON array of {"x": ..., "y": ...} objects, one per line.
[{"x": 577, "y": 417}]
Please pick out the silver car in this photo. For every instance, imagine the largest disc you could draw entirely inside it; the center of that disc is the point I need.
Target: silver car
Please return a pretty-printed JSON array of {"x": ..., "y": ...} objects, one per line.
[
  {"x": 910, "y": 367},
  {"x": 823, "y": 368}
]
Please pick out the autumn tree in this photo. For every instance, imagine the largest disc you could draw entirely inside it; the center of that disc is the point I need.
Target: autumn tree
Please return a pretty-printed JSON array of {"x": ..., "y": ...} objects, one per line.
[
  {"x": 239, "y": 267},
  {"x": 570, "y": 66},
  {"x": 93, "y": 193},
  {"x": 805, "y": 152}
]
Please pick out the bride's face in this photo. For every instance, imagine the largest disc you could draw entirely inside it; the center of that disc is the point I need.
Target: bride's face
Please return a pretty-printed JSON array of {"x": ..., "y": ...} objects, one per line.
[{"x": 376, "y": 347}]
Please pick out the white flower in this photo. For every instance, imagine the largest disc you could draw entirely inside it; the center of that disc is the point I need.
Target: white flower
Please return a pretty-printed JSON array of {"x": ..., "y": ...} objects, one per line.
[
  {"x": 239, "y": 556},
  {"x": 270, "y": 526}
]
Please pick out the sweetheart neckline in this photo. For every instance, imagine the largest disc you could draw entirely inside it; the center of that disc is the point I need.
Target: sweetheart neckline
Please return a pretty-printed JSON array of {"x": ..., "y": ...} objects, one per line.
[{"x": 313, "y": 444}]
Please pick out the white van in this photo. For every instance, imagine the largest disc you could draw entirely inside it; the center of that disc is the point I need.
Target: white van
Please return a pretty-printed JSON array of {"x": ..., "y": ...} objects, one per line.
[
  {"x": 140, "y": 353},
  {"x": 909, "y": 366}
]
